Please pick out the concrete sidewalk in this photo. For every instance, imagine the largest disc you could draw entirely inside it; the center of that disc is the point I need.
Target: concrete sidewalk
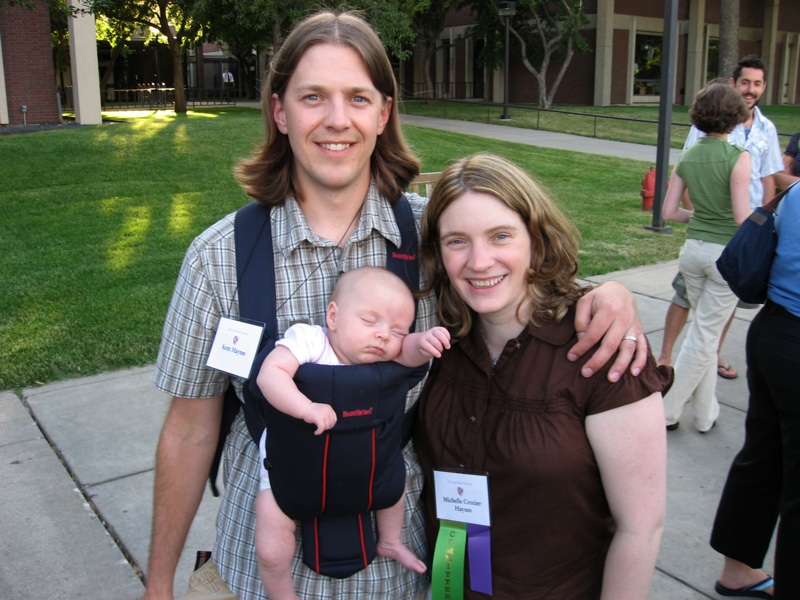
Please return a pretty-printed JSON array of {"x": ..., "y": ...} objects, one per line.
[
  {"x": 78, "y": 457},
  {"x": 78, "y": 462},
  {"x": 545, "y": 139}
]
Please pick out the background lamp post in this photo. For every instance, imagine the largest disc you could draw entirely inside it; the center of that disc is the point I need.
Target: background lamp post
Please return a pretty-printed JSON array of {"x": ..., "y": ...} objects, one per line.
[{"x": 506, "y": 10}]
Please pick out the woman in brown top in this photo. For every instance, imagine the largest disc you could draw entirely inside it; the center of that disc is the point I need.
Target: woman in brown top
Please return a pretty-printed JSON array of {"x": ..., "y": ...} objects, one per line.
[{"x": 576, "y": 467}]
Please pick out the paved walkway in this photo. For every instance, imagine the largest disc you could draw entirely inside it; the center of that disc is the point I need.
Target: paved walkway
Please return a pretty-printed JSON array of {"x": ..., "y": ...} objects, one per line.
[
  {"x": 78, "y": 456},
  {"x": 546, "y": 139}
]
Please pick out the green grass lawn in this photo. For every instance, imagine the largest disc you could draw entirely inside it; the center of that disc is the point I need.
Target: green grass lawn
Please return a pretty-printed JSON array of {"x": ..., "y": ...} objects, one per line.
[
  {"x": 94, "y": 222},
  {"x": 636, "y": 124}
]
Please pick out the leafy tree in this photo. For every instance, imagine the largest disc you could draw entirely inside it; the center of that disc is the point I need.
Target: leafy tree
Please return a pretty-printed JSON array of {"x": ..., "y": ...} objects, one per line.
[
  {"x": 245, "y": 26},
  {"x": 429, "y": 23},
  {"x": 59, "y": 33},
  {"x": 392, "y": 19},
  {"x": 60, "y": 13},
  {"x": 249, "y": 27},
  {"x": 175, "y": 20},
  {"x": 543, "y": 30},
  {"x": 59, "y": 25},
  {"x": 118, "y": 34}
]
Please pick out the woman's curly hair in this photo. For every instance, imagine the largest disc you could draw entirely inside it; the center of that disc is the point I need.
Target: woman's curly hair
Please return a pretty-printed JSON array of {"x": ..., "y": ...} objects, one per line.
[{"x": 718, "y": 108}]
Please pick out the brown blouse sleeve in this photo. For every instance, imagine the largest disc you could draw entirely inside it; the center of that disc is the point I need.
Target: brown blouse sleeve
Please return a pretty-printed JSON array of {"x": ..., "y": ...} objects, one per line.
[{"x": 629, "y": 389}]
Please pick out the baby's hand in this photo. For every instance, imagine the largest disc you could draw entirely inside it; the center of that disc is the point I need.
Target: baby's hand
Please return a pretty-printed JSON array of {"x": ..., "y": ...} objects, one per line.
[
  {"x": 434, "y": 341},
  {"x": 321, "y": 415}
]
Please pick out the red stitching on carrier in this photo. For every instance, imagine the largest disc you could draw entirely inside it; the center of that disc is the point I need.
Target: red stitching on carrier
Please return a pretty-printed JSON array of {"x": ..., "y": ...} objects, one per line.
[
  {"x": 325, "y": 472},
  {"x": 371, "y": 472},
  {"x": 363, "y": 545}
]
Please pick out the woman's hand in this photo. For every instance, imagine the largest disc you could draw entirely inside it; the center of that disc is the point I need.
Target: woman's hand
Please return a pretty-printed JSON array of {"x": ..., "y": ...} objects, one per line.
[{"x": 608, "y": 312}]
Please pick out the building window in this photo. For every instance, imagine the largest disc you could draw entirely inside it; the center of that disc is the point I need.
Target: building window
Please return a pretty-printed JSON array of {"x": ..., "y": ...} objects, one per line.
[
  {"x": 478, "y": 72},
  {"x": 712, "y": 60},
  {"x": 647, "y": 65}
]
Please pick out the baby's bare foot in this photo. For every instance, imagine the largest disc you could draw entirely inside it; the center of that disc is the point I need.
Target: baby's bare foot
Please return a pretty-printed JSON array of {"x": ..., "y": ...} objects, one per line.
[{"x": 401, "y": 554}]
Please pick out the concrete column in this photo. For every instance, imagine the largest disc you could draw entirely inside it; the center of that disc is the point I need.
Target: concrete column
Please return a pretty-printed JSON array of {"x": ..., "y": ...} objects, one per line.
[
  {"x": 603, "y": 54},
  {"x": 452, "y": 69},
  {"x": 438, "y": 71},
  {"x": 788, "y": 82},
  {"x": 85, "y": 74},
  {"x": 631, "y": 60},
  {"x": 497, "y": 85},
  {"x": 696, "y": 50},
  {"x": 769, "y": 39},
  {"x": 3, "y": 94}
]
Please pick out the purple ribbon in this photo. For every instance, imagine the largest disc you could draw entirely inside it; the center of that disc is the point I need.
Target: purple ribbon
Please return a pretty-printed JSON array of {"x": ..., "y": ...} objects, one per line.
[{"x": 479, "y": 551}]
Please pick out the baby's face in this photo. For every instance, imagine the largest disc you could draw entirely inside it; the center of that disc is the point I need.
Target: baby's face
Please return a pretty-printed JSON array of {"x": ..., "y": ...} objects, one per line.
[{"x": 370, "y": 327}]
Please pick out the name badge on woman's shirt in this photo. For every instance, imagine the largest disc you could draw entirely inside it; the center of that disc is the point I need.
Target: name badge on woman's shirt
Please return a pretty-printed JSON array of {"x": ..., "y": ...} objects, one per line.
[
  {"x": 462, "y": 497},
  {"x": 462, "y": 506},
  {"x": 235, "y": 346}
]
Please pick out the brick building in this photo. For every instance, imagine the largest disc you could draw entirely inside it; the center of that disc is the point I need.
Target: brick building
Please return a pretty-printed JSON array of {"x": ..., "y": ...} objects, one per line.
[
  {"x": 27, "y": 75},
  {"x": 623, "y": 37}
]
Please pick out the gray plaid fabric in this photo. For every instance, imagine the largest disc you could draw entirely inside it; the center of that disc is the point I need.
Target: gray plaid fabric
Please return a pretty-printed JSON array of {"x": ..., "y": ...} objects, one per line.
[{"x": 306, "y": 270}]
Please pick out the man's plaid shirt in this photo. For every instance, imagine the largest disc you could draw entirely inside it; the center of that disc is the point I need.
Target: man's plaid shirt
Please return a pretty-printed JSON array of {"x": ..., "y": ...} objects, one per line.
[{"x": 306, "y": 270}]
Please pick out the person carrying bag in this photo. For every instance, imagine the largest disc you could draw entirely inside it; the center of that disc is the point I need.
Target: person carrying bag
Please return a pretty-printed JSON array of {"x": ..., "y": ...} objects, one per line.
[{"x": 747, "y": 259}]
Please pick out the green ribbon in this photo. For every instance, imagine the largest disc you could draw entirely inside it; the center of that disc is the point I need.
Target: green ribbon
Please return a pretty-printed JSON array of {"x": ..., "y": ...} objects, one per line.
[{"x": 447, "y": 580}]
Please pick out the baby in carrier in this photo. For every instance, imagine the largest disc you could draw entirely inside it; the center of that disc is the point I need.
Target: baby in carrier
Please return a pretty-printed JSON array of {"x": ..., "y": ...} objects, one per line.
[{"x": 368, "y": 320}]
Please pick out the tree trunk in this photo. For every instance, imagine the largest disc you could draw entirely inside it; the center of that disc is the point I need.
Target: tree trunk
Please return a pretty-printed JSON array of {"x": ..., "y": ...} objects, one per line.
[
  {"x": 246, "y": 61},
  {"x": 545, "y": 98},
  {"x": 249, "y": 88},
  {"x": 728, "y": 37},
  {"x": 277, "y": 37},
  {"x": 430, "y": 92},
  {"x": 177, "y": 56},
  {"x": 115, "y": 52},
  {"x": 177, "y": 67},
  {"x": 561, "y": 72}
]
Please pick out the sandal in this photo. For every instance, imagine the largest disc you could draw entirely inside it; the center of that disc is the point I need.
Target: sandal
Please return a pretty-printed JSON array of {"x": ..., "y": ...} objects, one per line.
[
  {"x": 751, "y": 591},
  {"x": 726, "y": 371}
]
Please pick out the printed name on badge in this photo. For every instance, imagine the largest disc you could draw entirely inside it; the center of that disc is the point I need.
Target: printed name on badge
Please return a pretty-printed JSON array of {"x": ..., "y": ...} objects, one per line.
[
  {"x": 235, "y": 346},
  {"x": 462, "y": 497}
]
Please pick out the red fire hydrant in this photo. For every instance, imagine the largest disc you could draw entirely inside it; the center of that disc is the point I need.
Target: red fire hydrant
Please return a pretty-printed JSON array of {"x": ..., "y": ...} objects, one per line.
[{"x": 648, "y": 191}]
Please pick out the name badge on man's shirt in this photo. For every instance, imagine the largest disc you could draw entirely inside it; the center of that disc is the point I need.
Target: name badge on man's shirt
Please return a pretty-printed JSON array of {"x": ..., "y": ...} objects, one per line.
[{"x": 235, "y": 346}]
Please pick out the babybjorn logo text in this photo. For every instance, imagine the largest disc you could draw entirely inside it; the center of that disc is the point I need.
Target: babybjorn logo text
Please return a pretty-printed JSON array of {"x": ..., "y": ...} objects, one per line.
[
  {"x": 360, "y": 412},
  {"x": 403, "y": 256}
]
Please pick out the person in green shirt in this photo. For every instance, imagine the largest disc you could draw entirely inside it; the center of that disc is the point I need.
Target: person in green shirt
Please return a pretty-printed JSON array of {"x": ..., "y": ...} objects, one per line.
[{"x": 717, "y": 175}]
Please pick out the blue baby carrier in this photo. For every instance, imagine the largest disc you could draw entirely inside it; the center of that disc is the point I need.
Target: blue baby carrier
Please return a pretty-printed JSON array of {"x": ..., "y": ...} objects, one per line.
[{"x": 330, "y": 482}]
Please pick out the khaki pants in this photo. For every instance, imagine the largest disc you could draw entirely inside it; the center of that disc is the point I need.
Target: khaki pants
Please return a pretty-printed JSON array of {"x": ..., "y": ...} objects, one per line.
[{"x": 206, "y": 584}]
